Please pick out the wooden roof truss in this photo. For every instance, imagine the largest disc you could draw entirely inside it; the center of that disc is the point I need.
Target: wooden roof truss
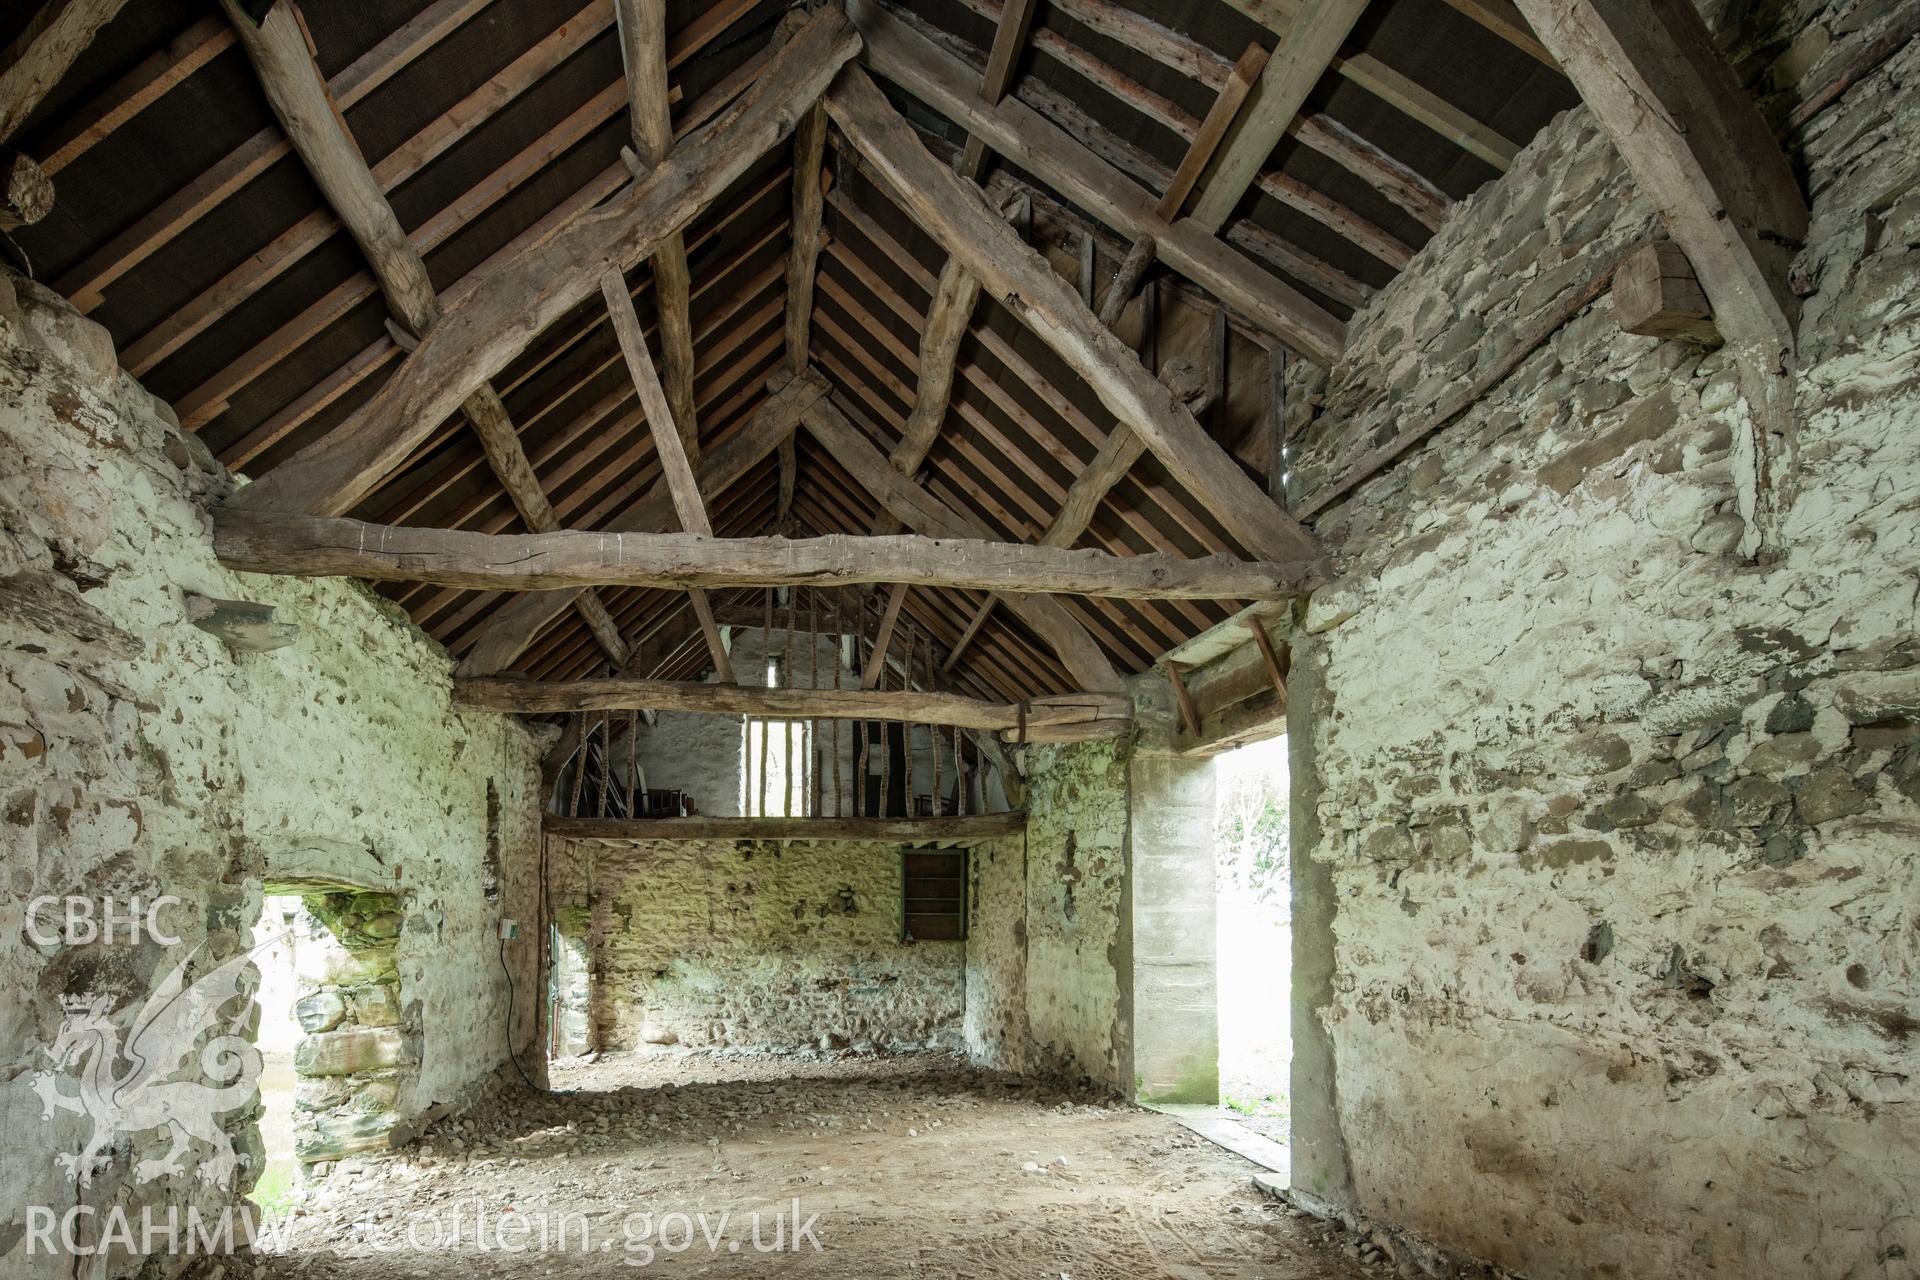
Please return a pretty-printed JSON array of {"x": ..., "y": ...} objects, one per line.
[{"x": 840, "y": 229}]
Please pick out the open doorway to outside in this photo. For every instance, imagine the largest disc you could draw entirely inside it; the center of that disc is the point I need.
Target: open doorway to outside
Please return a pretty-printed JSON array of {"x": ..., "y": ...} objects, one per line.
[
  {"x": 335, "y": 1041},
  {"x": 274, "y": 943},
  {"x": 1253, "y": 934}
]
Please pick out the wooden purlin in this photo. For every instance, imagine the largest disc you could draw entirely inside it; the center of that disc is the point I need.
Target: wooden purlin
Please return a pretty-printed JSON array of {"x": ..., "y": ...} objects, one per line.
[
  {"x": 595, "y": 491},
  {"x": 520, "y": 623},
  {"x": 912, "y": 61},
  {"x": 615, "y": 409},
  {"x": 1397, "y": 182},
  {"x": 1107, "y": 621},
  {"x": 1067, "y": 421},
  {"x": 1103, "y": 619},
  {"x": 491, "y": 326},
  {"x": 210, "y": 398}
]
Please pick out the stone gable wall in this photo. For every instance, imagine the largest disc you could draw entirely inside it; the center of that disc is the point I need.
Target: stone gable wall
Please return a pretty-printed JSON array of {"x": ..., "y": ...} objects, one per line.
[
  {"x": 751, "y": 944},
  {"x": 1611, "y": 829}
]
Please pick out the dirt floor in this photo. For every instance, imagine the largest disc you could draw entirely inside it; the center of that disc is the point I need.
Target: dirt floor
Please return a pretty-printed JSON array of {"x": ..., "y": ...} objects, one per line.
[{"x": 914, "y": 1166}]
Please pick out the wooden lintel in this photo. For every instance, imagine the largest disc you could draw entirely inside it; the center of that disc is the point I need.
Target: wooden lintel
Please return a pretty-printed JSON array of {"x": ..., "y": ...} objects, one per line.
[
  {"x": 951, "y": 830},
  {"x": 1253, "y": 720}
]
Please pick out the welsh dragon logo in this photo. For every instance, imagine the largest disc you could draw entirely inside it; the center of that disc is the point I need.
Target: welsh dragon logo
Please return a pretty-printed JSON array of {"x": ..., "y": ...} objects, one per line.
[{"x": 132, "y": 1088}]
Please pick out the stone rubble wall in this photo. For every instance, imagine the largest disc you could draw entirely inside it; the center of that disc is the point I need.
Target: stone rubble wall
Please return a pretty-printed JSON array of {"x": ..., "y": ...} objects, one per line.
[
  {"x": 1612, "y": 830},
  {"x": 1078, "y": 946},
  {"x": 355, "y": 1054},
  {"x": 140, "y": 757},
  {"x": 995, "y": 1031},
  {"x": 724, "y": 944}
]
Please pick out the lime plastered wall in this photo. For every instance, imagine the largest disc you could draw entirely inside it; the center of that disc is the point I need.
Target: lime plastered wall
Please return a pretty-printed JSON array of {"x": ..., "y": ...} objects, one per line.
[
  {"x": 1607, "y": 833},
  {"x": 138, "y": 756}
]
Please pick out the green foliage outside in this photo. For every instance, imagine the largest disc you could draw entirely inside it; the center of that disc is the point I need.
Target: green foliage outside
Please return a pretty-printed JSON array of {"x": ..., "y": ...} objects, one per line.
[{"x": 1250, "y": 822}]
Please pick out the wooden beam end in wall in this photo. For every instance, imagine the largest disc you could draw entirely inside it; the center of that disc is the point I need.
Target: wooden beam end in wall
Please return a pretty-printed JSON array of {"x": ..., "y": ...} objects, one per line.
[
  {"x": 1697, "y": 145},
  {"x": 1657, "y": 295}
]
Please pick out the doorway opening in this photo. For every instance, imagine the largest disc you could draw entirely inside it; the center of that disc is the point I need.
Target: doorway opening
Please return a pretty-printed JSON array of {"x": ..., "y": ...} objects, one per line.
[
  {"x": 1253, "y": 935},
  {"x": 275, "y": 940},
  {"x": 336, "y": 1039}
]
